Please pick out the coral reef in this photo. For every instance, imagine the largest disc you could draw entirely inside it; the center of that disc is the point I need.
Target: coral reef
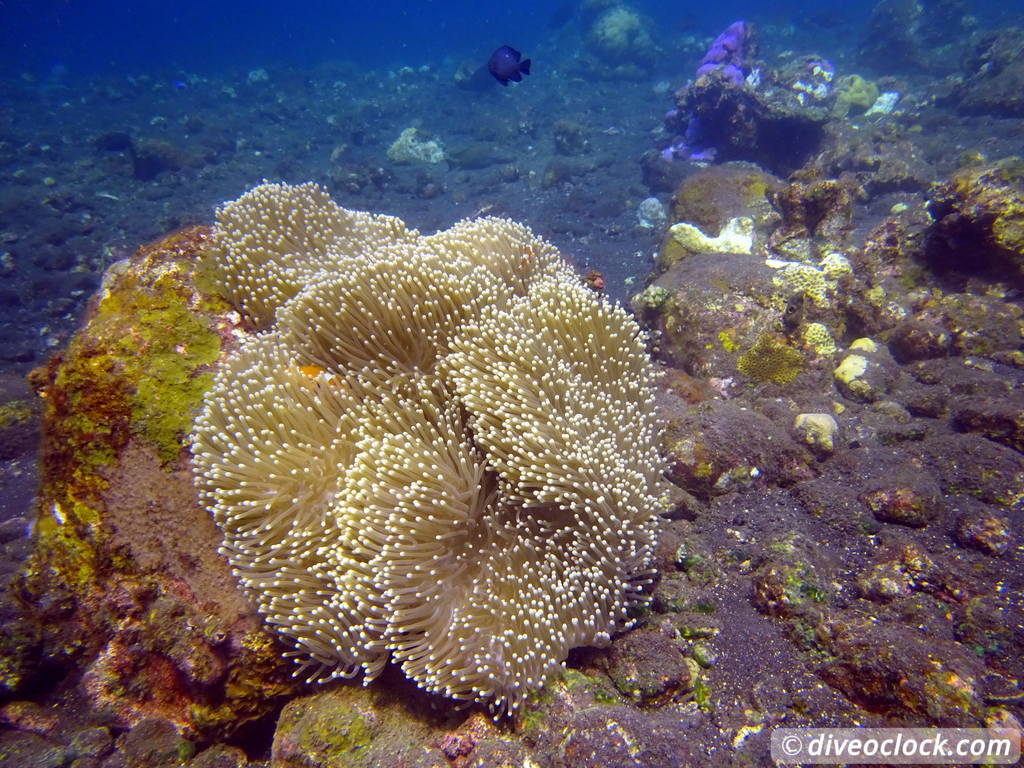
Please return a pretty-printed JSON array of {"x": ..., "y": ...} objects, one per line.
[
  {"x": 442, "y": 451},
  {"x": 871, "y": 159},
  {"x": 737, "y": 236},
  {"x": 706, "y": 201},
  {"x": 712, "y": 196}
]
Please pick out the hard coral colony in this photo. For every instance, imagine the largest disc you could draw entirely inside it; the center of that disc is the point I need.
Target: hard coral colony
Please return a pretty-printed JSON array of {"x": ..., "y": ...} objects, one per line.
[{"x": 439, "y": 451}]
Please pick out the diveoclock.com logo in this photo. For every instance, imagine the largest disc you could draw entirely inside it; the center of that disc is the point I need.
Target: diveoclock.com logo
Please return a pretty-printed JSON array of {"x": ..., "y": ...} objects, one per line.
[{"x": 897, "y": 746}]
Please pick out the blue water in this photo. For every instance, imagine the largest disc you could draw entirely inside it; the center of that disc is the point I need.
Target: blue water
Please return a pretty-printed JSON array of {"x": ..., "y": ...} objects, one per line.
[
  {"x": 37, "y": 36},
  {"x": 40, "y": 37}
]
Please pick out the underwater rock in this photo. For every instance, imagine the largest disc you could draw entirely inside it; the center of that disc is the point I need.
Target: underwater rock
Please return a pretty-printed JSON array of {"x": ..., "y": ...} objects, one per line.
[
  {"x": 355, "y": 727},
  {"x": 648, "y": 667},
  {"x": 980, "y": 212},
  {"x": 152, "y": 617},
  {"x": 709, "y": 199},
  {"x": 985, "y": 532},
  {"x": 150, "y": 158},
  {"x": 909, "y": 497},
  {"x": 818, "y": 430},
  {"x": 706, "y": 458},
  {"x": 918, "y": 340},
  {"x": 650, "y": 214},
  {"x": 989, "y": 623},
  {"x": 866, "y": 373},
  {"x": 561, "y": 170},
  {"x": 611, "y": 734},
  {"x": 895, "y": 670},
  {"x": 792, "y": 582},
  {"x": 660, "y": 173},
  {"x": 716, "y": 315},
  {"x": 871, "y": 158},
  {"x": 809, "y": 78},
  {"x": 712, "y": 196},
  {"x": 19, "y": 748},
  {"x": 470, "y": 75},
  {"x": 693, "y": 328},
  {"x": 998, "y": 418},
  {"x": 935, "y": 325},
  {"x": 114, "y": 141},
  {"x": 478, "y": 155},
  {"x": 974, "y": 465},
  {"x": 911, "y": 36},
  {"x": 853, "y": 94},
  {"x": 570, "y": 137},
  {"x": 996, "y": 82},
  {"x": 154, "y": 743},
  {"x": 19, "y": 418},
  {"x": 764, "y": 125},
  {"x": 816, "y": 218}
]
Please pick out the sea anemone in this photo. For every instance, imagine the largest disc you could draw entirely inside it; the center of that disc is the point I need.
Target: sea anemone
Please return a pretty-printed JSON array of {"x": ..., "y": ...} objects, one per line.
[{"x": 439, "y": 451}]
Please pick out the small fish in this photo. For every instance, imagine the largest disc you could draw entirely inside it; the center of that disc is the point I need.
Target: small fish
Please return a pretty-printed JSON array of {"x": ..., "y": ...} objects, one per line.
[
  {"x": 505, "y": 65},
  {"x": 793, "y": 315}
]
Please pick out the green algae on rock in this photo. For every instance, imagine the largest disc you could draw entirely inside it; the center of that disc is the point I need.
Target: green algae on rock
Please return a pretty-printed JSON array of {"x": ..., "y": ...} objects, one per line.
[{"x": 111, "y": 582}]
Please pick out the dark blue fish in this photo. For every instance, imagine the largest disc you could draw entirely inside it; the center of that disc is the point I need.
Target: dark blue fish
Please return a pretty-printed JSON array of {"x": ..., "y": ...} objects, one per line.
[{"x": 505, "y": 65}]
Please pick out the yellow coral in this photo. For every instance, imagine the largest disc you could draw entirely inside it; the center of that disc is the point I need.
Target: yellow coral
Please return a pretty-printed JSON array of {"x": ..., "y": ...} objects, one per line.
[
  {"x": 806, "y": 279},
  {"x": 737, "y": 236},
  {"x": 864, "y": 344},
  {"x": 853, "y": 91},
  {"x": 771, "y": 359},
  {"x": 817, "y": 429},
  {"x": 818, "y": 338},
  {"x": 835, "y": 265}
]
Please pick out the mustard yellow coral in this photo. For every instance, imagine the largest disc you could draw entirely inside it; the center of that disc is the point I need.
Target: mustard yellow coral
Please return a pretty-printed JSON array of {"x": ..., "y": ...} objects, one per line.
[
  {"x": 771, "y": 359},
  {"x": 853, "y": 92},
  {"x": 440, "y": 451}
]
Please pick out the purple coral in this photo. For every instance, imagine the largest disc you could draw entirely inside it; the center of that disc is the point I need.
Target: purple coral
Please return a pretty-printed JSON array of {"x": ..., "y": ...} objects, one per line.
[
  {"x": 727, "y": 52},
  {"x": 726, "y": 56}
]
